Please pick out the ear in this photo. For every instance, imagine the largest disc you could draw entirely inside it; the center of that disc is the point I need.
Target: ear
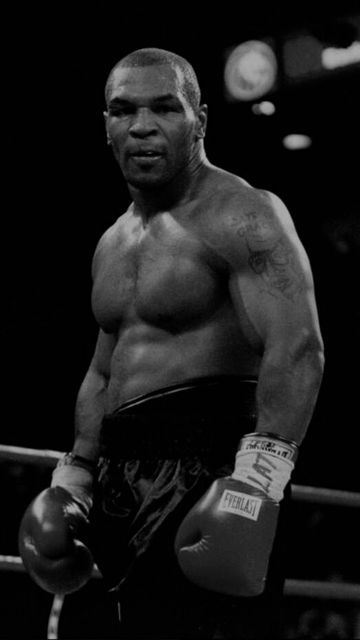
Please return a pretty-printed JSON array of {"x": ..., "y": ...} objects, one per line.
[
  {"x": 201, "y": 124},
  {"x": 106, "y": 117}
]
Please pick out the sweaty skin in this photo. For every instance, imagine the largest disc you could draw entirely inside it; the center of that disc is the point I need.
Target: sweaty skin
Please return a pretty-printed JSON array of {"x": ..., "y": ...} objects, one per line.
[
  {"x": 162, "y": 292},
  {"x": 202, "y": 275}
]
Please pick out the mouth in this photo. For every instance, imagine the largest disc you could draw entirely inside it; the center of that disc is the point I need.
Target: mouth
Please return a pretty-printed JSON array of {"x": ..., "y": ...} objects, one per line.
[{"x": 146, "y": 154}]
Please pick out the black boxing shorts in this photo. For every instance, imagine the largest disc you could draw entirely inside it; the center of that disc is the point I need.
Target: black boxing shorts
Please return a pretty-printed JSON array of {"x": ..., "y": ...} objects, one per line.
[
  {"x": 159, "y": 454},
  {"x": 157, "y": 449}
]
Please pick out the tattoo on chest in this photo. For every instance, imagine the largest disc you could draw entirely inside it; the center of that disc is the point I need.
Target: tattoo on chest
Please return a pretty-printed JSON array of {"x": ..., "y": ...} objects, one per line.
[{"x": 278, "y": 270}]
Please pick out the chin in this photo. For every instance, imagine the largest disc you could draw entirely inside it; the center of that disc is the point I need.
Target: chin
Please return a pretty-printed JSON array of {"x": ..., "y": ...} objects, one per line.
[{"x": 146, "y": 182}]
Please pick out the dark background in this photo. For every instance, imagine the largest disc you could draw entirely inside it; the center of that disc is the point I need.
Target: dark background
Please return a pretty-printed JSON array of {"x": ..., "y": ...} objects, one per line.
[
  {"x": 65, "y": 189},
  {"x": 62, "y": 189}
]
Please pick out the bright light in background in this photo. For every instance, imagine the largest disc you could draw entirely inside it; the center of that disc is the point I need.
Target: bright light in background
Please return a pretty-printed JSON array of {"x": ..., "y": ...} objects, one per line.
[
  {"x": 315, "y": 52},
  {"x": 333, "y": 57},
  {"x": 296, "y": 141},
  {"x": 264, "y": 108},
  {"x": 250, "y": 70}
]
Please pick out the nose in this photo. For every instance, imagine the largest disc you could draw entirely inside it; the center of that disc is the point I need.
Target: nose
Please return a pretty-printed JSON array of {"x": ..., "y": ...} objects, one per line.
[{"x": 143, "y": 123}]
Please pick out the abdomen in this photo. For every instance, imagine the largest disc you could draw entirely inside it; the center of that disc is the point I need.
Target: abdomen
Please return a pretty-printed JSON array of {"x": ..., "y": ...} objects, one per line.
[{"x": 147, "y": 358}]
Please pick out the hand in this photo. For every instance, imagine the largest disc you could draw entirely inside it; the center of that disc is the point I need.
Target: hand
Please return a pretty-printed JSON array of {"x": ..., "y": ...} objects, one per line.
[{"x": 51, "y": 532}]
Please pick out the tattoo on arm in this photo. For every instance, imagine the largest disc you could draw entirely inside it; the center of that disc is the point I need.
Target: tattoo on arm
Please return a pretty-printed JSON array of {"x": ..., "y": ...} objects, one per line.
[
  {"x": 251, "y": 225},
  {"x": 278, "y": 270},
  {"x": 276, "y": 265}
]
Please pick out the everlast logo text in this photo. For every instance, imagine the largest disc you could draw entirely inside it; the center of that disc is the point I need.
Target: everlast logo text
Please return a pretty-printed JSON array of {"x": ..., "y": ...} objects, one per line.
[
  {"x": 241, "y": 504},
  {"x": 268, "y": 446}
]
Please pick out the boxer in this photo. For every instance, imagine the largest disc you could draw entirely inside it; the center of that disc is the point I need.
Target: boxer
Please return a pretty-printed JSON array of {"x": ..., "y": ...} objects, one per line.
[{"x": 202, "y": 385}]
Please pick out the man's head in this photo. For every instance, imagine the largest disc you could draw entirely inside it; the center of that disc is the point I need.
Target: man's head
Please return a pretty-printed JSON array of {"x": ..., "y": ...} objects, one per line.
[
  {"x": 155, "y": 57},
  {"x": 153, "y": 102}
]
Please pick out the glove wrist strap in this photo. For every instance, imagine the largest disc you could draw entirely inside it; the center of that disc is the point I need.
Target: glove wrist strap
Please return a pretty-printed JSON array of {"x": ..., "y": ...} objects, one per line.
[
  {"x": 78, "y": 461},
  {"x": 76, "y": 478},
  {"x": 265, "y": 462}
]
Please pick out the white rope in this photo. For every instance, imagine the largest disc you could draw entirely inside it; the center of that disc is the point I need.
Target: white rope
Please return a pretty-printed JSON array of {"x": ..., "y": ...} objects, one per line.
[
  {"x": 11, "y": 563},
  {"x": 54, "y": 617},
  {"x": 315, "y": 495},
  {"x": 14, "y": 563},
  {"x": 42, "y": 457},
  {"x": 319, "y": 495},
  {"x": 324, "y": 590},
  {"x": 293, "y": 587}
]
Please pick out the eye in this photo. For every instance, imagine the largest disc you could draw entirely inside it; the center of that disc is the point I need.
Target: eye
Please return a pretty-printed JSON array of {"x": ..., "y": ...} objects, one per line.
[
  {"x": 120, "y": 110},
  {"x": 167, "y": 108},
  {"x": 163, "y": 108}
]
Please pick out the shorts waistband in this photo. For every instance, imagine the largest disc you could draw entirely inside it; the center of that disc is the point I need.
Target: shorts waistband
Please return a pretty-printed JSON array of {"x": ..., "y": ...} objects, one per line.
[
  {"x": 182, "y": 419},
  {"x": 242, "y": 385}
]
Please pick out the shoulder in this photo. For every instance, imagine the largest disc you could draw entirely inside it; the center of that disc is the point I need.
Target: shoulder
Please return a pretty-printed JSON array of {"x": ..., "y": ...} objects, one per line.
[
  {"x": 228, "y": 199},
  {"x": 238, "y": 214},
  {"x": 257, "y": 212}
]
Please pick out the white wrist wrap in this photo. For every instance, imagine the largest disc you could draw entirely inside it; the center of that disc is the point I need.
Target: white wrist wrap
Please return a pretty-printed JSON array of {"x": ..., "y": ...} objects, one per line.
[
  {"x": 266, "y": 463},
  {"x": 77, "y": 480}
]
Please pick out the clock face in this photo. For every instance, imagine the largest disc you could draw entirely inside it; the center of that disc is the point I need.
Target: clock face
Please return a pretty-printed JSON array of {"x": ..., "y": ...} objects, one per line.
[{"x": 250, "y": 70}]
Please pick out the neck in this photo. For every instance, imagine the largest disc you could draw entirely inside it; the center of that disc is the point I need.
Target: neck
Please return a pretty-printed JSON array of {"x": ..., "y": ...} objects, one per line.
[{"x": 182, "y": 188}]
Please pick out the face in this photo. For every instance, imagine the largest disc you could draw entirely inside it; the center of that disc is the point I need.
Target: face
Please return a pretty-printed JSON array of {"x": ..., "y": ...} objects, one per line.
[{"x": 153, "y": 129}]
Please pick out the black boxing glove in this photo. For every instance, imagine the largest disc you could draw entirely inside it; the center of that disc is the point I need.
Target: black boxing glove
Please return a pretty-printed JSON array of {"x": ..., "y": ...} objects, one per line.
[{"x": 51, "y": 529}]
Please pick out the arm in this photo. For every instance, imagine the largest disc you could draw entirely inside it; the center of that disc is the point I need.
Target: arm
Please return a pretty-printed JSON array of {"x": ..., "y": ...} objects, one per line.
[
  {"x": 271, "y": 282},
  {"x": 53, "y": 531},
  {"x": 53, "y": 538},
  {"x": 225, "y": 541},
  {"x": 90, "y": 404}
]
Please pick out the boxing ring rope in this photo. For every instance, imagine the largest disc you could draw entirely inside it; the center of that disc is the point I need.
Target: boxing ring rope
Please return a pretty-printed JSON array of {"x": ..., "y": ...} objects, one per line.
[
  {"x": 294, "y": 588},
  {"x": 315, "y": 495},
  {"x": 302, "y": 588},
  {"x": 42, "y": 457}
]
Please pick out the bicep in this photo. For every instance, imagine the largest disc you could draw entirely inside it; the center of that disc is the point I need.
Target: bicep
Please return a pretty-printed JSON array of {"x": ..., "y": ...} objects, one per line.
[{"x": 274, "y": 288}]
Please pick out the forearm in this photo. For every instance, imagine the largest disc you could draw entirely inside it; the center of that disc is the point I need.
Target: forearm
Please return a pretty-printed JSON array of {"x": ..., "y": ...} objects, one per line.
[
  {"x": 288, "y": 387},
  {"x": 89, "y": 413}
]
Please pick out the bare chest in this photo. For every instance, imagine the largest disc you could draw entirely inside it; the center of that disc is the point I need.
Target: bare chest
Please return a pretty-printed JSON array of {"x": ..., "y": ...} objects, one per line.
[{"x": 163, "y": 276}]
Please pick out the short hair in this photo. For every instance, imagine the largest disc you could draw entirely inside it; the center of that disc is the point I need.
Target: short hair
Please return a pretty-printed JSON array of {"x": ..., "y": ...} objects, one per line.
[{"x": 152, "y": 56}]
